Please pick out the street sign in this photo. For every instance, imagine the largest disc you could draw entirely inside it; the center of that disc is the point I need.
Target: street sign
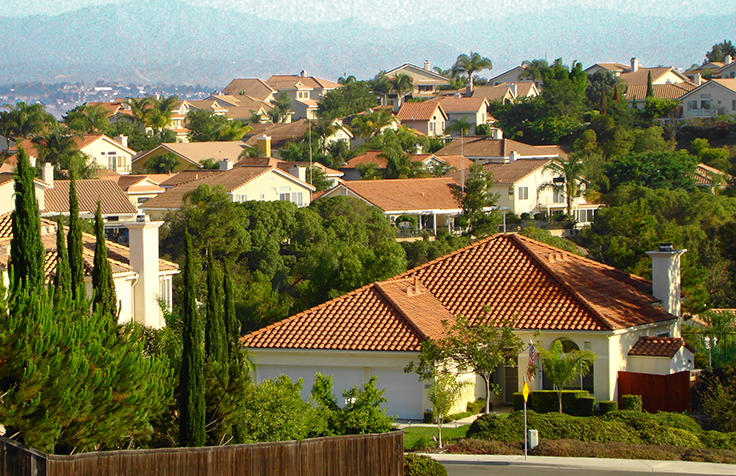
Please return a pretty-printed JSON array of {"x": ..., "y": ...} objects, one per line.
[{"x": 525, "y": 392}]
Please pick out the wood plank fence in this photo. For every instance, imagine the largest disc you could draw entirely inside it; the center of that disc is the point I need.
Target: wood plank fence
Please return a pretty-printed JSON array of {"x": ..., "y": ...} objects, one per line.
[
  {"x": 354, "y": 455},
  {"x": 665, "y": 393}
]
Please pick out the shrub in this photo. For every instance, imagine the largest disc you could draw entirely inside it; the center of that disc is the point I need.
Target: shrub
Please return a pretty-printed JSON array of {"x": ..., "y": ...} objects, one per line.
[
  {"x": 678, "y": 420},
  {"x": 608, "y": 406},
  {"x": 585, "y": 406},
  {"x": 547, "y": 401},
  {"x": 526, "y": 216},
  {"x": 472, "y": 446},
  {"x": 420, "y": 465},
  {"x": 493, "y": 427},
  {"x": 540, "y": 216},
  {"x": 718, "y": 440},
  {"x": 477, "y": 406},
  {"x": 631, "y": 402},
  {"x": 428, "y": 417},
  {"x": 423, "y": 444},
  {"x": 457, "y": 416},
  {"x": 719, "y": 403}
]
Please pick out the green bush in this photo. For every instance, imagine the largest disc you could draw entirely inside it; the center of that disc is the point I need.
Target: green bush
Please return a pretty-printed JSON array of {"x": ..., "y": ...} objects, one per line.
[
  {"x": 607, "y": 406},
  {"x": 477, "y": 406},
  {"x": 526, "y": 216},
  {"x": 547, "y": 401},
  {"x": 423, "y": 444},
  {"x": 493, "y": 427},
  {"x": 585, "y": 406},
  {"x": 718, "y": 440},
  {"x": 457, "y": 416},
  {"x": 428, "y": 417},
  {"x": 631, "y": 402},
  {"x": 420, "y": 465}
]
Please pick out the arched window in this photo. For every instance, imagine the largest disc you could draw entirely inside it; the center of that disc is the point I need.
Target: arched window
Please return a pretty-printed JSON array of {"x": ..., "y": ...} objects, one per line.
[{"x": 587, "y": 381}]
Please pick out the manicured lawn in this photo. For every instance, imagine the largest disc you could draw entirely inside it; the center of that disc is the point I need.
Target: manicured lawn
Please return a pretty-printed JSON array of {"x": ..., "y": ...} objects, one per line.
[{"x": 413, "y": 434}]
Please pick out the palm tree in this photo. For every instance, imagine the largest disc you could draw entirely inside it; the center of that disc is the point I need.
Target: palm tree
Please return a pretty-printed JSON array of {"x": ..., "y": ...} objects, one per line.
[
  {"x": 461, "y": 125},
  {"x": 57, "y": 147},
  {"x": 346, "y": 79},
  {"x": 23, "y": 120},
  {"x": 233, "y": 130},
  {"x": 141, "y": 109},
  {"x": 401, "y": 84},
  {"x": 570, "y": 170},
  {"x": 534, "y": 70},
  {"x": 372, "y": 123},
  {"x": 88, "y": 119},
  {"x": 561, "y": 367},
  {"x": 281, "y": 107},
  {"x": 471, "y": 64},
  {"x": 161, "y": 110}
]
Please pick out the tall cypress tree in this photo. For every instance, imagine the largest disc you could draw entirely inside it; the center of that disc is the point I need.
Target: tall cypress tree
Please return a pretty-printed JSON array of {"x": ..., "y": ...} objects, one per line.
[
  {"x": 27, "y": 253},
  {"x": 232, "y": 324},
  {"x": 216, "y": 346},
  {"x": 63, "y": 278},
  {"x": 191, "y": 380},
  {"x": 650, "y": 87},
  {"x": 74, "y": 242},
  {"x": 105, "y": 298}
]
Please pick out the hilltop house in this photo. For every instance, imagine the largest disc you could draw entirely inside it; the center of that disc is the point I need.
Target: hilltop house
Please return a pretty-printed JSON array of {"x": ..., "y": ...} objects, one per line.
[
  {"x": 427, "y": 117},
  {"x": 471, "y": 110},
  {"x": 506, "y": 92},
  {"x": 496, "y": 149},
  {"x": 426, "y": 82},
  {"x": 714, "y": 97},
  {"x": 378, "y": 329}
]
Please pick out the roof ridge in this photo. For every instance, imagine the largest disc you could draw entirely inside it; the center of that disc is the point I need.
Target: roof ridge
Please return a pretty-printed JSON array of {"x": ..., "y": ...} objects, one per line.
[{"x": 571, "y": 289}]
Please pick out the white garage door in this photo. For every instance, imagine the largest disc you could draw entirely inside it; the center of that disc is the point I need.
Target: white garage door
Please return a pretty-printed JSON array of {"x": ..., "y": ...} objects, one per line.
[{"x": 403, "y": 392}]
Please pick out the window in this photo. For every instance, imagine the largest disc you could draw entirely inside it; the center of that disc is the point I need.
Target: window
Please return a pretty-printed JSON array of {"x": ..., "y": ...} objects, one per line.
[
  {"x": 705, "y": 104},
  {"x": 585, "y": 216},
  {"x": 143, "y": 199},
  {"x": 296, "y": 197},
  {"x": 240, "y": 198},
  {"x": 692, "y": 104},
  {"x": 263, "y": 196},
  {"x": 523, "y": 193},
  {"x": 558, "y": 196},
  {"x": 286, "y": 197},
  {"x": 426, "y": 88},
  {"x": 733, "y": 104},
  {"x": 165, "y": 291}
]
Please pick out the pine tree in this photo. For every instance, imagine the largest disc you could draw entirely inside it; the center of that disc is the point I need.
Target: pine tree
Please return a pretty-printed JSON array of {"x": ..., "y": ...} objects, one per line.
[
  {"x": 104, "y": 299},
  {"x": 74, "y": 242},
  {"x": 216, "y": 347},
  {"x": 191, "y": 380},
  {"x": 27, "y": 253},
  {"x": 63, "y": 278},
  {"x": 650, "y": 87}
]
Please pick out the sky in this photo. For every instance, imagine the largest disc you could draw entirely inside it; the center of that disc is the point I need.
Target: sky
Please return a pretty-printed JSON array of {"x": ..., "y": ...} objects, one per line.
[{"x": 392, "y": 11}]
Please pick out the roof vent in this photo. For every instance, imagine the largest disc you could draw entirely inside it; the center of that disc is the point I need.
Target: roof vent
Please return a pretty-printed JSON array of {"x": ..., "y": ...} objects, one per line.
[{"x": 666, "y": 247}]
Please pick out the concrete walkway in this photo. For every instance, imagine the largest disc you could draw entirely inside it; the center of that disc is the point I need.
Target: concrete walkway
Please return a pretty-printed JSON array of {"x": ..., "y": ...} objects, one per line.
[{"x": 627, "y": 465}]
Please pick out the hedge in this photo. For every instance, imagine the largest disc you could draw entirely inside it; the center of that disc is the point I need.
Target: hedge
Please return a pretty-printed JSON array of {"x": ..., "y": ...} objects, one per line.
[
  {"x": 607, "y": 406},
  {"x": 631, "y": 402},
  {"x": 574, "y": 402},
  {"x": 616, "y": 426},
  {"x": 420, "y": 465}
]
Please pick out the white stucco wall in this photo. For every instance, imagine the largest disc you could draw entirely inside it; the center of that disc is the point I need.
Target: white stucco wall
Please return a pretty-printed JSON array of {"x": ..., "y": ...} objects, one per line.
[
  {"x": 719, "y": 97},
  {"x": 268, "y": 187},
  {"x": 101, "y": 150}
]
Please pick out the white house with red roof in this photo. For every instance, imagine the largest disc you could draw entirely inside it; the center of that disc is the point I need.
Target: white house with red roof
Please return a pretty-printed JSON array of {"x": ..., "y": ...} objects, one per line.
[
  {"x": 548, "y": 294},
  {"x": 427, "y": 117},
  {"x": 471, "y": 110}
]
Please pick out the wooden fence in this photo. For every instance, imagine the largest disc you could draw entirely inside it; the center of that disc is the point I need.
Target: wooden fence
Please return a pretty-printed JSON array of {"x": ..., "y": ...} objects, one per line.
[
  {"x": 666, "y": 393},
  {"x": 355, "y": 455}
]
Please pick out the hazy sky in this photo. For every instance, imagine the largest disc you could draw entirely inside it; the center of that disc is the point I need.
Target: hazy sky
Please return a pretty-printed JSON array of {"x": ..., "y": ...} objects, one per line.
[{"x": 392, "y": 11}]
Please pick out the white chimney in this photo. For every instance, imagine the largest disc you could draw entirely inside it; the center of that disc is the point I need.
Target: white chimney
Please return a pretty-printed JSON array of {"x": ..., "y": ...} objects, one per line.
[
  {"x": 226, "y": 164},
  {"x": 697, "y": 79},
  {"x": 299, "y": 172},
  {"x": 513, "y": 156},
  {"x": 47, "y": 174},
  {"x": 496, "y": 133},
  {"x": 426, "y": 65},
  {"x": 512, "y": 87},
  {"x": 728, "y": 60},
  {"x": 666, "y": 277},
  {"x": 143, "y": 242},
  {"x": 634, "y": 65},
  {"x": 303, "y": 74},
  {"x": 122, "y": 140}
]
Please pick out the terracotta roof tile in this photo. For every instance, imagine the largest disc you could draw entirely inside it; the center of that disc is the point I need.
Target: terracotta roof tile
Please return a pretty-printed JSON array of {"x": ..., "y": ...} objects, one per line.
[
  {"x": 113, "y": 199},
  {"x": 641, "y": 75},
  {"x": 513, "y": 172},
  {"x": 486, "y": 147},
  {"x": 419, "y": 111},
  {"x": 657, "y": 346},
  {"x": 407, "y": 194},
  {"x": 502, "y": 278},
  {"x": 468, "y": 104},
  {"x": 661, "y": 91}
]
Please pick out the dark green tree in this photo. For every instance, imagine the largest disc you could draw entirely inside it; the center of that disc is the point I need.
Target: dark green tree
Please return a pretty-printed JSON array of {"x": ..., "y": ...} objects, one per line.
[
  {"x": 88, "y": 119},
  {"x": 104, "y": 298},
  {"x": 74, "y": 243},
  {"x": 719, "y": 51},
  {"x": 281, "y": 107},
  {"x": 477, "y": 202},
  {"x": 654, "y": 170},
  {"x": 650, "y": 86},
  {"x": 191, "y": 379},
  {"x": 471, "y": 64},
  {"x": 27, "y": 253},
  {"x": 23, "y": 121},
  {"x": 216, "y": 348},
  {"x": 352, "y": 98},
  {"x": 63, "y": 275}
]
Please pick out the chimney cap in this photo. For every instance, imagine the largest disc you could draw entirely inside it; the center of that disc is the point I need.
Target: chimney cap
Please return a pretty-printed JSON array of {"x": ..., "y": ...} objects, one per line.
[{"x": 667, "y": 246}]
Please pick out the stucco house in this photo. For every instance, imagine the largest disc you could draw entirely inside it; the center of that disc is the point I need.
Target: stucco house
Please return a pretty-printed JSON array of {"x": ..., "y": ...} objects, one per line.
[
  {"x": 471, "y": 110},
  {"x": 616, "y": 68},
  {"x": 107, "y": 153},
  {"x": 304, "y": 91},
  {"x": 378, "y": 329},
  {"x": 496, "y": 149},
  {"x": 728, "y": 70},
  {"x": 636, "y": 94},
  {"x": 511, "y": 76},
  {"x": 427, "y": 117},
  {"x": 190, "y": 155},
  {"x": 431, "y": 162},
  {"x": 506, "y": 92},
  {"x": 242, "y": 182},
  {"x": 714, "y": 97},
  {"x": 660, "y": 75},
  {"x": 426, "y": 82},
  {"x": 271, "y": 138}
]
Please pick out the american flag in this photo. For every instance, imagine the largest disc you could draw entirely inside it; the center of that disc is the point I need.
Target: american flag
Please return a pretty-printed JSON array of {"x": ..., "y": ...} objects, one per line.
[{"x": 532, "y": 360}]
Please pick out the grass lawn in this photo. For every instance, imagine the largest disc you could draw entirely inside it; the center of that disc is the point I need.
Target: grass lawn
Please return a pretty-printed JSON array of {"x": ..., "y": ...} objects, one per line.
[{"x": 413, "y": 434}]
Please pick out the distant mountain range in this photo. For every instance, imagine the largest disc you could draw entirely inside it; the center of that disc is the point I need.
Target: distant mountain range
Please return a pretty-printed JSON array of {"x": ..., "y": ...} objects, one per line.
[{"x": 178, "y": 43}]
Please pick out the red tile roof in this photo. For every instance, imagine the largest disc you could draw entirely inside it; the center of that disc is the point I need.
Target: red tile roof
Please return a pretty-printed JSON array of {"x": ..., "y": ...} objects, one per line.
[
  {"x": 419, "y": 111},
  {"x": 112, "y": 198},
  {"x": 504, "y": 277},
  {"x": 513, "y": 172},
  {"x": 657, "y": 346},
  {"x": 486, "y": 147},
  {"x": 407, "y": 194},
  {"x": 661, "y": 91}
]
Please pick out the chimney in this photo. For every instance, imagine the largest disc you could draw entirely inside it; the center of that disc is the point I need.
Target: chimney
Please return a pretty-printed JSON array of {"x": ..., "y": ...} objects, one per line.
[
  {"x": 47, "y": 174},
  {"x": 496, "y": 133},
  {"x": 263, "y": 143},
  {"x": 143, "y": 242},
  {"x": 303, "y": 74},
  {"x": 513, "y": 156},
  {"x": 634, "y": 65},
  {"x": 226, "y": 164},
  {"x": 426, "y": 65},
  {"x": 697, "y": 79},
  {"x": 299, "y": 172},
  {"x": 122, "y": 140},
  {"x": 728, "y": 59},
  {"x": 666, "y": 277},
  {"x": 469, "y": 89},
  {"x": 512, "y": 87}
]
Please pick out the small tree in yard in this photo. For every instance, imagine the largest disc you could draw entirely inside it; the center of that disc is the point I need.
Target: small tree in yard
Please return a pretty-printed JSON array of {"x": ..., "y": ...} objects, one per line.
[
  {"x": 479, "y": 348},
  {"x": 444, "y": 394},
  {"x": 561, "y": 368},
  {"x": 477, "y": 201}
]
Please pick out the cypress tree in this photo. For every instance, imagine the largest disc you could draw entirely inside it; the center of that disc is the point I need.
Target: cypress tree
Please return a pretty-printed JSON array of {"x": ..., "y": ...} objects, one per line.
[
  {"x": 27, "y": 253},
  {"x": 216, "y": 346},
  {"x": 650, "y": 87},
  {"x": 74, "y": 242},
  {"x": 63, "y": 278},
  {"x": 191, "y": 381},
  {"x": 232, "y": 324},
  {"x": 104, "y": 299}
]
